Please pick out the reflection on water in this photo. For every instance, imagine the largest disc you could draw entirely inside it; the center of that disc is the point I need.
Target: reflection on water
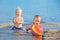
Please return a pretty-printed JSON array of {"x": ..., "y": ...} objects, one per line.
[
  {"x": 18, "y": 35},
  {"x": 36, "y": 38}
]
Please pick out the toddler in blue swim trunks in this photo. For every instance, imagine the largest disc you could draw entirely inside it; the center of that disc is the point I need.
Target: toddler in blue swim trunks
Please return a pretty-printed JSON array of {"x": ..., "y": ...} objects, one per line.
[{"x": 18, "y": 20}]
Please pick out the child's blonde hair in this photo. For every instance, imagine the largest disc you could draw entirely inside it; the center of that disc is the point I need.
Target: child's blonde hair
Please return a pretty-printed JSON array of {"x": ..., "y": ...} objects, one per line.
[{"x": 18, "y": 8}]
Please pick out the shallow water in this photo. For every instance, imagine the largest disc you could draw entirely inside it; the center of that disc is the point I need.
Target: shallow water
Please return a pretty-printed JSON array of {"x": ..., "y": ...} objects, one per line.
[
  {"x": 15, "y": 35},
  {"x": 7, "y": 34},
  {"x": 50, "y": 27}
]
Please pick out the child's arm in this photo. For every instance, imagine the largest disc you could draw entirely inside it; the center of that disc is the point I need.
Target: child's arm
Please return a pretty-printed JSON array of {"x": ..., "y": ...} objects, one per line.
[
  {"x": 14, "y": 21},
  {"x": 27, "y": 29},
  {"x": 20, "y": 21}
]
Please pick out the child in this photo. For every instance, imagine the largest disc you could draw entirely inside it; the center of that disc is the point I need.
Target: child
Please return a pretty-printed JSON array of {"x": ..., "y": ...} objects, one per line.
[
  {"x": 18, "y": 20},
  {"x": 36, "y": 28}
]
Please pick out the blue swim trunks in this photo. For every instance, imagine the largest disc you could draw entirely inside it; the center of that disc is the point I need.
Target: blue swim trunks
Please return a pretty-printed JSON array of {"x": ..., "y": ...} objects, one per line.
[{"x": 15, "y": 28}]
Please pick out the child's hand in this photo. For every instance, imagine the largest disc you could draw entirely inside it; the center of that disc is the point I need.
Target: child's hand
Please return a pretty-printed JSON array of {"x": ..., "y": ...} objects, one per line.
[{"x": 27, "y": 29}]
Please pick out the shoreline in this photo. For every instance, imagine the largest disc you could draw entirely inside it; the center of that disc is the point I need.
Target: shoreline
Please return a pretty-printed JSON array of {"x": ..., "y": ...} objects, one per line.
[{"x": 46, "y": 24}]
